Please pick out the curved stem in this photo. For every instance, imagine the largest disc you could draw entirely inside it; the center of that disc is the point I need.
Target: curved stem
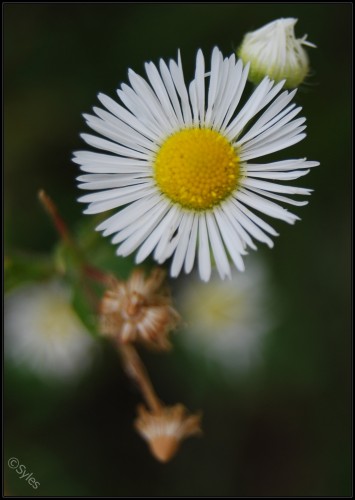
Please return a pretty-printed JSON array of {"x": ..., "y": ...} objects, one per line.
[{"x": 136, "y": 370}]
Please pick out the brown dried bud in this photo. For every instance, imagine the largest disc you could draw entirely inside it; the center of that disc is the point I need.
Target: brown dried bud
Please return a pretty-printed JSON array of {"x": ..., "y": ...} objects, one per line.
[
  {"x": 166, "y": 428},
  {"x": 139, "y": 310}
]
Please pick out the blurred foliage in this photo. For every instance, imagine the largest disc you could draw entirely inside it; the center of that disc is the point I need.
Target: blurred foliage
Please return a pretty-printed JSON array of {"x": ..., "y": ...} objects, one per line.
[
  {"x": 21, "y": 268},
  {"x": 283, "y": 429}
]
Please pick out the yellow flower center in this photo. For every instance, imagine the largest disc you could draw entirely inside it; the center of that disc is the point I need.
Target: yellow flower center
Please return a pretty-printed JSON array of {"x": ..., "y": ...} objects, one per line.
[{"x": 197, "y": 168}]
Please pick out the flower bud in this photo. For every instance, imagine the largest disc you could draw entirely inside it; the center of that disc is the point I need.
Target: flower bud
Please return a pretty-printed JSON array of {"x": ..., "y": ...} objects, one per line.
[{"x": 274, "y": 51}]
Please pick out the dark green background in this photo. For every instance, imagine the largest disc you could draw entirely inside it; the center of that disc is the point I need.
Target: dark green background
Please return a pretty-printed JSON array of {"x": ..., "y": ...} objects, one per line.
[{"x": 282, "y": 429}]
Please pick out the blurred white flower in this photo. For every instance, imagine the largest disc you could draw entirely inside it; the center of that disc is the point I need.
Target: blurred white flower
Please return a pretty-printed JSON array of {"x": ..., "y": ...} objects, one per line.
[
  {"x": 227, "y": 320},
  {"x": 43, "y": 332},
  {"x": 274, "y": 51}
]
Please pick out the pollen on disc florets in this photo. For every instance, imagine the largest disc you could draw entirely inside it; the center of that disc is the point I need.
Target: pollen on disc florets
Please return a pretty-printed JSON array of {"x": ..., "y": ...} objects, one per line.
[{"x": 197, "y": 168}]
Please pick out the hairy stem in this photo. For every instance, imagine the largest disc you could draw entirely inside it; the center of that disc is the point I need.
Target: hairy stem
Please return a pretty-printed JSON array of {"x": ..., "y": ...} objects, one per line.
[{"x": 58, "y": 222}]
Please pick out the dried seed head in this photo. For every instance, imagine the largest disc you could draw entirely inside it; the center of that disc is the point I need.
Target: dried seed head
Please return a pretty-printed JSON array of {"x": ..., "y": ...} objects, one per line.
[
  {"x": 166, "y": 428},
  {"x": 139, "y": 309}
]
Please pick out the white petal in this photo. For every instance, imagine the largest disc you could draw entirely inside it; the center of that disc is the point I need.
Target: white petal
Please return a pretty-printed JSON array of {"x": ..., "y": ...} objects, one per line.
[
  {"x": 265, "y": 206},
  {"x": 272, "y": 147},
  {"x": 238, "y": 80},
  {"x": 283, "y": 165},
  {"x": 143, "y": 89},
  {"x": 161, "y": 91},
  {"x": 128, "y": 214},
  {"x": 127, "y": 117},
  {"x": 89, "y": 157},
  {"x": 149, "y": 222},
  {"x": 217, "y": 247},
  {"x": 170, "y": 87},
  {"x": 279, "y": 176},
  {"x": 117, "y": 134},
  {"x": 178, "y": 79},
  {"x": 260, "y": 222},
  {"x": 221, "y": 85},
  {"x": 108, "y": 194},
  {"x": 151, "y": 216},
  {"x": 102, "y": 206},
  {"x": 277, "y": 197},
  {"x": 221, "y": 214},
  {"x": 110, "y": 183},
  {"x": 231, "y": 239},
  {"x": 271, "y": 186},
  {"x": 244, "y": 236},
  {"x": 129, "y": 133},
  {"x": 99, "y": 143},
  {"x": 278, "y": 131},
  {"x": 140, "y": 109},
  {"x": 156, "y": 235},
  {"x": 216, "y": 62},
  {"x": 119, "y": 169},
  {"x": 194, "y": 104},
  {"x": 204, "y": 258},
  {"x": 249, "y": 109},
  {"x": 181, "y": 249},
  {"x": 191, "y": 248},
  {"x": 162, "y": 251},
  {"x": 200, "y": 85},
  {"x": 250, "y": 225},
  {"x": 273, "y": 114},
  {"x": 272, "y": 92}
]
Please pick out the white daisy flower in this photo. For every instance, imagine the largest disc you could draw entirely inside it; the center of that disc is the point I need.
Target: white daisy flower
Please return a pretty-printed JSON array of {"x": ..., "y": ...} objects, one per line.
[
  {"x": 43, "y": 332},
  {"x": 274, "y": 51},
  {"x": 181, "y": 161}
]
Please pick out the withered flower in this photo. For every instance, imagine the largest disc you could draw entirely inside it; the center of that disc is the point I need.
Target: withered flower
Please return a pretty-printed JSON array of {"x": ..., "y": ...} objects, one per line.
[
  {"x": 165, "y": 428},
  {"x": 139, "y": 309}
]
